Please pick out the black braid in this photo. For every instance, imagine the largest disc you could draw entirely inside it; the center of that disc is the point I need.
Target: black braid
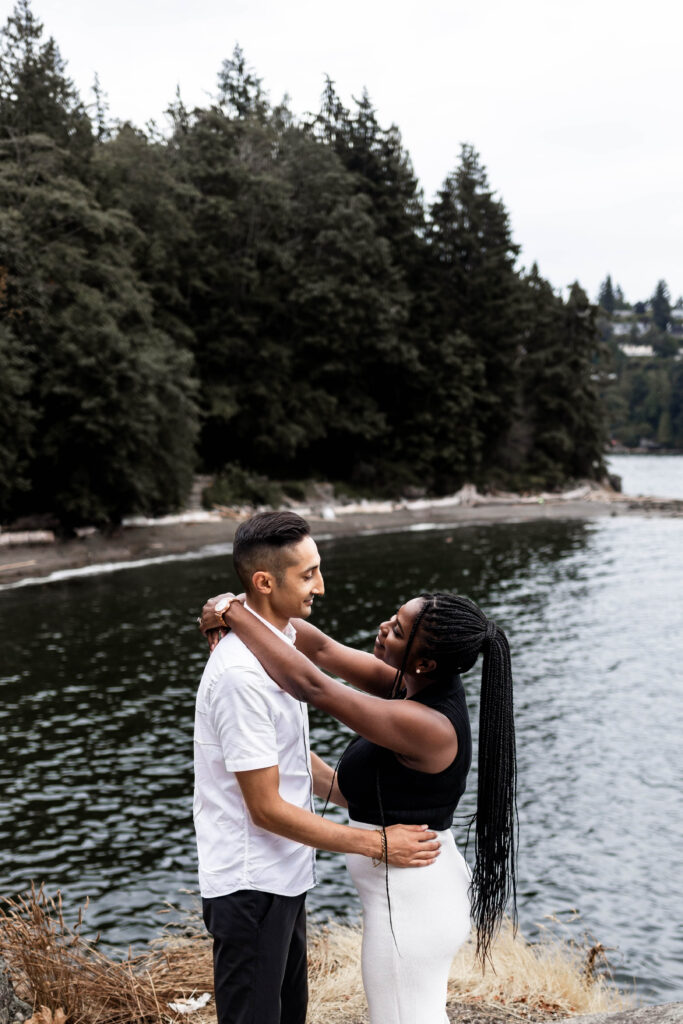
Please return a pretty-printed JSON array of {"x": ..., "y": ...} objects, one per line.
[{"x": 453, "y": 632}]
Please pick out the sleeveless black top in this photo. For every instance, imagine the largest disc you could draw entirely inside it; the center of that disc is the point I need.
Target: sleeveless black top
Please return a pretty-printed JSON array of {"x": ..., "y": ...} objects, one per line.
[{"x": 408, "y": 796}]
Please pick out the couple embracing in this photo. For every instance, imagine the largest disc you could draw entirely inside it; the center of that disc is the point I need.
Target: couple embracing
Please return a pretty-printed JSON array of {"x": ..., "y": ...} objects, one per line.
[{"x": 401, "y": 778}]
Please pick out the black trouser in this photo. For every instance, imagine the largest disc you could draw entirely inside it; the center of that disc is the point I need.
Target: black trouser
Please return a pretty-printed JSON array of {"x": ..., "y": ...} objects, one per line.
[{"x": 259, "y": 957}]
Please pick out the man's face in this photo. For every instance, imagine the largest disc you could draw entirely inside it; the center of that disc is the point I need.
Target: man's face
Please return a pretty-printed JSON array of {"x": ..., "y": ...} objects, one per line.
[{"x": 302, "y": 581}]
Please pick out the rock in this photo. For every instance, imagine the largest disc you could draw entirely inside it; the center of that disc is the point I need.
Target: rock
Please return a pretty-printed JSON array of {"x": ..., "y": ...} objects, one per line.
[
  {"x": 666, "y": 1013},
  {"x": 11, "y": 1007}
]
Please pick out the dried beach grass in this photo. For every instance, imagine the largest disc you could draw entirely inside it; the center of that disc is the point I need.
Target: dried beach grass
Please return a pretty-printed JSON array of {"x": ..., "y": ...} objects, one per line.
[
  {"x": 550, "y": 977},
  {"x": 335, "y": 986},
  {"x": 57, "y": 972},
  {"x": 68, "y": 980}
]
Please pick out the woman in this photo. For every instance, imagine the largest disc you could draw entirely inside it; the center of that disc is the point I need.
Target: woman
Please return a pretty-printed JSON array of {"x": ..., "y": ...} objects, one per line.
[{"x": 409, "y": 763}]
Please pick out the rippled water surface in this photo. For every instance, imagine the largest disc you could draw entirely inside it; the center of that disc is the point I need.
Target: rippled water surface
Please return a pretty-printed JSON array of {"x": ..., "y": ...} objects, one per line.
[{"x": 98, "y": 681}]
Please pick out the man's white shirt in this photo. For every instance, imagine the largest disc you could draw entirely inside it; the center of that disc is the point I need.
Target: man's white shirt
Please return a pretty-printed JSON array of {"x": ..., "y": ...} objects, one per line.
[{"x": 244, "y": 721}]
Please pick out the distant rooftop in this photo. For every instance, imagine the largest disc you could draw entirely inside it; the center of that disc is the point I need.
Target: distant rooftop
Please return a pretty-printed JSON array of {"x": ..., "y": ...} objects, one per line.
[{"x": 637, "y": 350}]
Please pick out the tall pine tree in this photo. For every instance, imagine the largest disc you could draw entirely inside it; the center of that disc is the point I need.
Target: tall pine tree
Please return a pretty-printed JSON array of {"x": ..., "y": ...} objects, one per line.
[
  {"x": 111, "y": 394},
  {"x": 475, "y": 291}
]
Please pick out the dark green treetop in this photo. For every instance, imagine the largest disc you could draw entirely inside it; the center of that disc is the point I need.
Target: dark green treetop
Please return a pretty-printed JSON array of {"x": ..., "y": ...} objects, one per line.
[
  {"x": 36, "y": 96},
  {"x": 475, "y": 287},
  {"x": 660, "y": 303},
  {"x": 606, "y": 295},
  {"x": 240, "y": 92},
  {"x": 108, "y": 394}
]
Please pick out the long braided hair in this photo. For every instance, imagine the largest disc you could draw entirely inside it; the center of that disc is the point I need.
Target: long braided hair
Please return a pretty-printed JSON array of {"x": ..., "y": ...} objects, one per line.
[{"x": 453, "y": 631}]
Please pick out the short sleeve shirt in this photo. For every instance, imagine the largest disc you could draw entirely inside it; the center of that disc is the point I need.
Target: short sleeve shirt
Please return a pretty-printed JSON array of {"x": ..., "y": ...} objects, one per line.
[{"x": 244, "y": 721}]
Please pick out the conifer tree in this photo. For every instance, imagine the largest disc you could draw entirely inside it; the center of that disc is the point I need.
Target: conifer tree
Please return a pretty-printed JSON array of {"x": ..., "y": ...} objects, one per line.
[
  {"x": 237, "y": 279},
  {"x": 475, "y": 289},
  {"x": 619, "y": 299},
  {"x": 17, "y": 418},
  {"x": 544, "y": 426},
  {"x": 140, "y": 173},
  {"x": 606, "y": 296},
  {"x": 583, "y": 411},
  {"x": 345, "y": 307},
  {"x": 660, "y": 304},
  {"x": 383, "y": 172},
  {"x": 111, "y": 394},
  {"x": 335, "y": 330},
  {"x": 240, "y": 92},
  {"x": 36, "y": 96}
]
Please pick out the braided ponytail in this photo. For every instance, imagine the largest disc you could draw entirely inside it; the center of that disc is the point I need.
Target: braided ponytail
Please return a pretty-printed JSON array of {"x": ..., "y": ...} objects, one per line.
[
  {"x": 454, "y": 631},
  {"x": 494, "y": 875}
]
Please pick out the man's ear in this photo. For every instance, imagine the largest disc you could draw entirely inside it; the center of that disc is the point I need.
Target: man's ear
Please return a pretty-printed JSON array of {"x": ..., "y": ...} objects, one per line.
[{"x": 262, "y": 582}]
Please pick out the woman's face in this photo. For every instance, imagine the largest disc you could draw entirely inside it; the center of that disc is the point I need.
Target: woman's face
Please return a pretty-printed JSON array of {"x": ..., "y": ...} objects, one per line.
[{"x": 392, "y": 636}]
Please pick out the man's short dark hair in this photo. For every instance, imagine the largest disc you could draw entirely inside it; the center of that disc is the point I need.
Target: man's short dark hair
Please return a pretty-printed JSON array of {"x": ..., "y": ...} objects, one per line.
[{"x": 262, "y": 542}]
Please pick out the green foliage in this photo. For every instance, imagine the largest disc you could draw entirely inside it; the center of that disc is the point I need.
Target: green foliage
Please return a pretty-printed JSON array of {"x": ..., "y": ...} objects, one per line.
[
  {"x": 643, "y": 401},
  {"x": 663, "y": 344},
  {"x": 138, "y": 174},
  {"x": 560, "y": 429},
  {"x": 35, "y": 94},
  {"x": 646, "y": 402},
  {"x": 583, "y": 414},
  {"x": 475, "y": 289},
  {"x": 110, "y": 396},
  {"x": 265, "y": 298},
  {"x": 606, "y": 296},
  {"x": 661, "y": 306},
  {"x": 240, "y": 92},
  {"x": 112, "y": 393},
  {"x": 16, "y": 420},
  {"x": 619, "y": 299},
  {"x": 237, "y": 486}
]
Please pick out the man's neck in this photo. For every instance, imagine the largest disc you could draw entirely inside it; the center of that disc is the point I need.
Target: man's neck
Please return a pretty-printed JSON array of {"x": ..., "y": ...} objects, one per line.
[{"x": 262, "y": 607}]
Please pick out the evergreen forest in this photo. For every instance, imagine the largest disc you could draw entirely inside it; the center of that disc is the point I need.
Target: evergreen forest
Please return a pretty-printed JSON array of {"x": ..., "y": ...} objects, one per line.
[
  {"x": 253, "y": 294},
  {"x": 645, "y": 339}
]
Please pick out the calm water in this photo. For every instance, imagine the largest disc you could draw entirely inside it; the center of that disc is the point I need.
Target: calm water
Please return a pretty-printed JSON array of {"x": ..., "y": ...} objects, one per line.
[
  {"x": 98, "y": 681},
  {"x": 658, "y": 475}
]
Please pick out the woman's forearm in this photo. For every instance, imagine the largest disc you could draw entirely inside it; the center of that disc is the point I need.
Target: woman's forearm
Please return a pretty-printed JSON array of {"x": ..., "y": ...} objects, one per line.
[
  {"x": 358, "y": 668},
  {"x": 406, "y": 727},
  {"x": 290, "y": 668},
  {"x": 310, "y": 640}
]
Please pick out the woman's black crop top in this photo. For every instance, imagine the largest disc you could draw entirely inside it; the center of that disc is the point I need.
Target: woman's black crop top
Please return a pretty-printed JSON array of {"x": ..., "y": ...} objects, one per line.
[{"x": 409, "y": 796}]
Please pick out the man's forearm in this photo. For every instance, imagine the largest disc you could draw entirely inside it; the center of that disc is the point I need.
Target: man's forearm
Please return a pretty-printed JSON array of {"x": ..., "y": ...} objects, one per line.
[
  {"x": 405, "y": 846},
  {"x": 284, "y": 819}
]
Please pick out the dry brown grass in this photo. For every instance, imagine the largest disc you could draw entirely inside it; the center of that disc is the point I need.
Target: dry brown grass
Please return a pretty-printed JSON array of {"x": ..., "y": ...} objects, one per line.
[
  {"x": 549, "y": 977},
  {"x": 55, "y": 969},
  {"x": 553, "y": 976}
]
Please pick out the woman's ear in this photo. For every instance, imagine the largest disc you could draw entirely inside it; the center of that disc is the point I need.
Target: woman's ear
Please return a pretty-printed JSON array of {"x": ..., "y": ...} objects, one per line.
[{"x": 425, "y": 666}]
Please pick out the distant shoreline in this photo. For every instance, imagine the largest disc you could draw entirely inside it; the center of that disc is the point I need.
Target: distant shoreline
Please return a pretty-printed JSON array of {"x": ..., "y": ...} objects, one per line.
[
  {"x": 177, "y": 536},
  {"x": 618, "y": 450}
]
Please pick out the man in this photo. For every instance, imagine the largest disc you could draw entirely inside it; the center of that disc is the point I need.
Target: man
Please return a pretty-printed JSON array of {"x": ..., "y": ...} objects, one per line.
[{"x": 254, "y": 780}]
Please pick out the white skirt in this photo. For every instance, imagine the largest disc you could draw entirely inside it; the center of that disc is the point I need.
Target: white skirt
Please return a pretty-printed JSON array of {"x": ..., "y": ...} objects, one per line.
[{"x": 405, "y": 975}]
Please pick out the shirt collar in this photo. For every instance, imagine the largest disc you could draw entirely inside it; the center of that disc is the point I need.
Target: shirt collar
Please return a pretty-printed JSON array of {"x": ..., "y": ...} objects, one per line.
[{"x": 288, "y": 633}]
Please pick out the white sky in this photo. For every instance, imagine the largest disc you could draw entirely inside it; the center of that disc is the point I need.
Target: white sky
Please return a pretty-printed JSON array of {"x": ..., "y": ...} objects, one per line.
[{"x": 575, "y": 107}]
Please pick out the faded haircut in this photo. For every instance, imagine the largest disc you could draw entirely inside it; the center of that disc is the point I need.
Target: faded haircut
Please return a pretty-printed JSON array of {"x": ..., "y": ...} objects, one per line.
[{"x": 264, "y": 542}]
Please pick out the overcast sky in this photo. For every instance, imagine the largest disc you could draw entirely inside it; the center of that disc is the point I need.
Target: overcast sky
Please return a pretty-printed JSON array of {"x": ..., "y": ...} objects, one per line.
[{"x": 574, "y": 105}]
